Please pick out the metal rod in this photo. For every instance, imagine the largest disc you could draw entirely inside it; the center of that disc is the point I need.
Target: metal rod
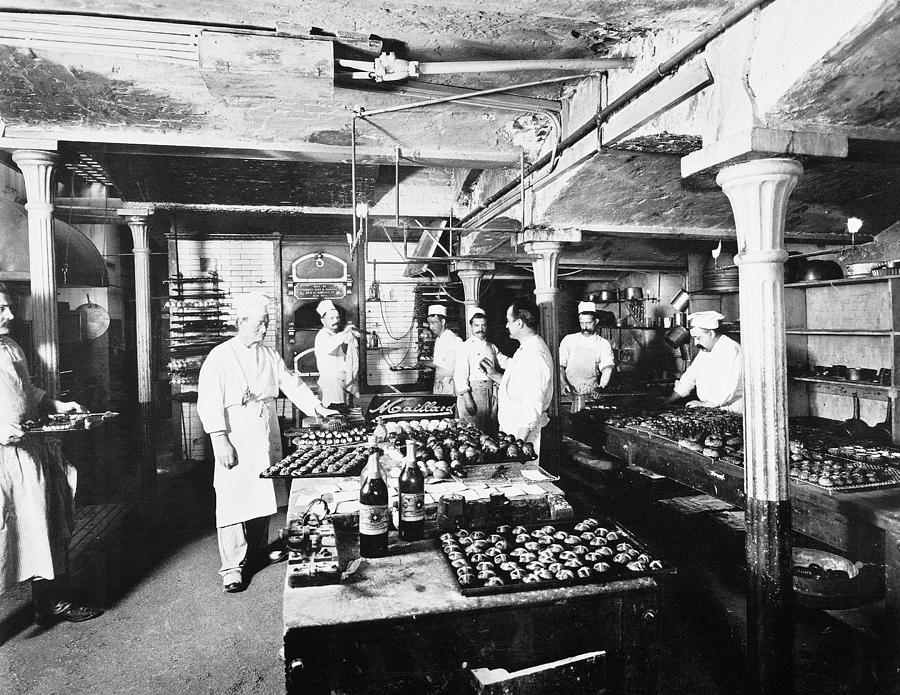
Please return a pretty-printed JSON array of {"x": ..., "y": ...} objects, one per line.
[
  {"x": 353, "y": 177},
  {"x": 648, "y": 81},
  {"x": 459, "y": 67},
  {"x": 522, "y": 180},
  {"x": 362, "y": 113},
  {"x": 397, "y": 185}
]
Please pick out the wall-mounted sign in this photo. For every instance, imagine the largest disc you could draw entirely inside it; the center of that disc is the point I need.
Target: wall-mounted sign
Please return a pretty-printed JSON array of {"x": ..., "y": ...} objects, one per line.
[
  {"x": 399, "y": 407},
  {"x": 320, "y": 290}
]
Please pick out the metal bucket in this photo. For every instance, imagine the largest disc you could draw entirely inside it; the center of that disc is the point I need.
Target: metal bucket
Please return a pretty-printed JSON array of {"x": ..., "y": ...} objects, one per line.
[
  {"x": 680, "y": 301},
  {"x": 677, "y": 336}
]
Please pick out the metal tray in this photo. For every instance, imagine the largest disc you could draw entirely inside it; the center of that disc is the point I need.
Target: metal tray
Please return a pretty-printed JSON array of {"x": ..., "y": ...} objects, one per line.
[
  {"x": 617, "y": 572},
  {"x": 508, "y": 472},
  {"x": 75, "y": 422},
  {"x": 348, "y": 473},
  {"x": 891, "y": 473}
]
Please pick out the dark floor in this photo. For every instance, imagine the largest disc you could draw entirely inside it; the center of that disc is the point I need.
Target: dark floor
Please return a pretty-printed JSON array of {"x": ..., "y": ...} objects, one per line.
[{"x": 169, "y": 629}]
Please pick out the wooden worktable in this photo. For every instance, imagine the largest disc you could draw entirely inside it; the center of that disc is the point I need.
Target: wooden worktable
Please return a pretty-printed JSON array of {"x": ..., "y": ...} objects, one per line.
[
  {"x": 399, "y": 624},
  {"x": 864, "y": 524}
]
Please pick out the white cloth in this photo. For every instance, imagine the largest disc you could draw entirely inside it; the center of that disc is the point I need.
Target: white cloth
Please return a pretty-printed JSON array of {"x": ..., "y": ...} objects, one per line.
[
  {"x": 583, "y": 358},
  {"x": 526, "y": 389},
  {"x": 586, "y": 308},
  {"x": 37, "y": 484},
  {"x": 250, "y": 304},
  {"x": 325, "y": 307},
  {"x": 230, "y": 370},
  {"x": 437, "y": 310},
  {"x": 717, "y": 376},
  {"x": 337, "y": 360},
  {"x": 446, "y": 347}
]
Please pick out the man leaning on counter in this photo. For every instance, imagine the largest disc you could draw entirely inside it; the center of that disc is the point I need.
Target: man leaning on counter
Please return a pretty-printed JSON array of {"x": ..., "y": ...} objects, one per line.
[{"x": 716, "y": 372}]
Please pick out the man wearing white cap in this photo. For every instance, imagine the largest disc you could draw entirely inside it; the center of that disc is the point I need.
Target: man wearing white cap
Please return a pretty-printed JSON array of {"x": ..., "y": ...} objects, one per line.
[
  {"x": 238, "y": 384},
  {"x": 716, "y": 372},
  {"x": 337, "y": 356},
  {"x": 477, "y": 393},
  {"x": 446, "y": 345},
  {"x": 586, "y": 359}
]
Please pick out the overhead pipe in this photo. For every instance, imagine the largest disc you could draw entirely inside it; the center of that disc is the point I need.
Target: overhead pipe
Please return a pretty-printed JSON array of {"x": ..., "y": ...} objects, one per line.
[
  {"x": 457, "y": 67},
  {"x": 648, "y": 81},
  {"x": 362, "y": 113}
]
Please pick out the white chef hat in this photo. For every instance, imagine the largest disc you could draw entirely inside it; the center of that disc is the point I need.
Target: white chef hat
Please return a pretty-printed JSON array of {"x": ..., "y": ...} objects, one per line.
[
  {"x": 437, "y": 310},
  {"x": 250, "y": 305},
  {"x": 587, "y": 308},
  {"x": 705, "y": 319},
  {"x": 325, "y": 307},
  {"x": 475, "y": 311}
]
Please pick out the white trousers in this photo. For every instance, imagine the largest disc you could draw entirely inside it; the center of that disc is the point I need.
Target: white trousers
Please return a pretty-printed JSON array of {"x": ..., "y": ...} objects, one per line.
[{"x": 240, "y": 542}]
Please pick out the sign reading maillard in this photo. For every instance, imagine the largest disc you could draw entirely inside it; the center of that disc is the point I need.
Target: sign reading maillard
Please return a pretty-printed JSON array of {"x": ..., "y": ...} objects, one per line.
[{"x": 393, "y": 407}]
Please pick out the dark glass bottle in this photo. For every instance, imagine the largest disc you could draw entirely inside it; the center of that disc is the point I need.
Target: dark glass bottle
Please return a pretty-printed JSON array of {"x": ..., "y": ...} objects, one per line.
[
  {"x": 412, "y": 498},
  {"x": 373, "y": 510}
]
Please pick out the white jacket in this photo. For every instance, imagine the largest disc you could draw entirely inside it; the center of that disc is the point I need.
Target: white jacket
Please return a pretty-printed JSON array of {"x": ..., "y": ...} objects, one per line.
[
  {"x": 526, "y": 388},
  {"x": 718, "y": 376}
]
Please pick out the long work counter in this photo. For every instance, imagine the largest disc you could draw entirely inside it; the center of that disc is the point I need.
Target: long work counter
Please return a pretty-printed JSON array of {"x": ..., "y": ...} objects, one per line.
[{"x": 864, "y": 524}]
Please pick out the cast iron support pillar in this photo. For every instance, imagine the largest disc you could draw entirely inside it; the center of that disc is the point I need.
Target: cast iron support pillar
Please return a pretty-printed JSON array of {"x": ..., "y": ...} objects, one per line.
[
  {"x": 37, "y": 166},
  {"x": 137, "y": 222},
  {"x": 544, "y": 245},
  {"x": 758, "y": 192},
  {"x": 471, "y": 274}
]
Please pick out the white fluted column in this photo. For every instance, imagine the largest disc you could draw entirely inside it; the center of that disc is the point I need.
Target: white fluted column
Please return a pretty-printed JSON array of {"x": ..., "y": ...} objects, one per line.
[
  {"x": 137, "y": 223},
  {"x": 471, "y": 273},
  {"x": 37, "y": 166},
  {"x": 137, "y": 219},
  {"x": 758, "y": 192}
]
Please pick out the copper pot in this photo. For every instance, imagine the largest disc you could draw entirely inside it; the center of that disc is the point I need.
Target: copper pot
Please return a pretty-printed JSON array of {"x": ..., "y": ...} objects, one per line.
[
  {"x": 607, "y": 296},
  {"x": 680, "y": 301},
  {"x": 634, "y": 293}
]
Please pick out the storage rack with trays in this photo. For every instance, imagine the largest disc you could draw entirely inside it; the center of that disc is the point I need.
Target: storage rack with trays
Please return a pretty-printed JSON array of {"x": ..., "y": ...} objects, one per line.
[
  {"x": 197, "y": 311},
  {"x": 822, "y": 317}
]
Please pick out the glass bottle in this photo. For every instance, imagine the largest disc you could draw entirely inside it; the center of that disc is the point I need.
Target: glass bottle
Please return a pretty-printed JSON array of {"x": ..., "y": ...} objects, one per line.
[
  {"x": 373, "y": 510},
  {"x": 412, "y": 497}
]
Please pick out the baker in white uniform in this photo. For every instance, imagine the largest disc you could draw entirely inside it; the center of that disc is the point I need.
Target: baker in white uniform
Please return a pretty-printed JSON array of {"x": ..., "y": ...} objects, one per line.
[
  {"x": 337, "y": 356},
  {"x": 37, "y": 489},
  {"x": 446, "y": 345},
  {"x": 238, "y": 384},
  {"x": 716, "y": 372},
  {"x": 586, "y": 359},
  {"x": 477, "y": 393},
  {"x": 526, "y": 387}
]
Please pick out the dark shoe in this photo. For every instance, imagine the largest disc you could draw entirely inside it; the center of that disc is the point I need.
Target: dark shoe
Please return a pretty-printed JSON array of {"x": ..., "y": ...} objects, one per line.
[
  {"x": 64, "y": 611},
  {"x": 233, "y": 587},
  {"x": 276, "y": 556}
]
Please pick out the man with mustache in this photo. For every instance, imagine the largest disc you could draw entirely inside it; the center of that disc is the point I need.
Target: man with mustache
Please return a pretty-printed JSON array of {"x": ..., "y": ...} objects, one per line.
[
  {"x": 716, "y": 372},
  {"x": 238, "y": 385},
  {"x": 446, "y": 345},
  {"x": 337, "y": 356},
  {"x": 477, "y": 394},
  {"x": 586, "y": 359}
]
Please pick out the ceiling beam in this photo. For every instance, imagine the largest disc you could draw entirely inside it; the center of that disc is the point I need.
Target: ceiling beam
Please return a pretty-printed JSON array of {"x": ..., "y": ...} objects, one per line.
[{"x": 142, "y": 143}]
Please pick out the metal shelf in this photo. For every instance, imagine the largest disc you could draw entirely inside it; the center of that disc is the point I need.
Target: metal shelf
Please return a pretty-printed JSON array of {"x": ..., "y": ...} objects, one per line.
[{"x": 845, "y": 387}]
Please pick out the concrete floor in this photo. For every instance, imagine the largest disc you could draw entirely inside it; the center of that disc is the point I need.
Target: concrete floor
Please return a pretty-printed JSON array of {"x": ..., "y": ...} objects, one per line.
[{"x": 168, "y": 630}]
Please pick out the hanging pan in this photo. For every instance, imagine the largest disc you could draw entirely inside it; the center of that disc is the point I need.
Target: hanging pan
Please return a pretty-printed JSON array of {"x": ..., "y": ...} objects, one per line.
[
  {"x": 854, "y": 427},
  {"x": 94, "y": 320}
]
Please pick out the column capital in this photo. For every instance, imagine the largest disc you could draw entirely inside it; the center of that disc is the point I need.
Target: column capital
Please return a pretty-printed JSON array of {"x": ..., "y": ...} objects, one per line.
[
  {"x": 137, "y": 219},
  {"x": 472, "y": 266},
  {"x": 758, "y": 192},
  {"x": 568, "y": 235},
  {"x": 34, "y": 157},
  {"x": 137, "y": 213}
]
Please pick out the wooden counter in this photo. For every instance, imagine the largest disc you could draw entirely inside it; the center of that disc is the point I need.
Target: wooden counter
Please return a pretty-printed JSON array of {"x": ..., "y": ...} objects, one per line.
[
  {"x": 399, "y": 624},
  {"x": 864, "y": 524}
]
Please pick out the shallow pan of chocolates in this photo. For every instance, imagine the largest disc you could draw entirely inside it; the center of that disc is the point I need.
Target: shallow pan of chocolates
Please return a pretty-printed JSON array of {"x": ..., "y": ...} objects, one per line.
[{"x": 547, "y": 555}]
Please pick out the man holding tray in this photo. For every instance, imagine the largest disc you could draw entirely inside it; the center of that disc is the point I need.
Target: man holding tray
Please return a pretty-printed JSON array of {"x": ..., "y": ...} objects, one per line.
[{"x": 37, "y": 489}]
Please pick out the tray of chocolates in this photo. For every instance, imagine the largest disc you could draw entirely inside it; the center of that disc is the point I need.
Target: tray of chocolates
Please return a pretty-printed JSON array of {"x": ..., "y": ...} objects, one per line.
[{"x": 508, "y": 559}]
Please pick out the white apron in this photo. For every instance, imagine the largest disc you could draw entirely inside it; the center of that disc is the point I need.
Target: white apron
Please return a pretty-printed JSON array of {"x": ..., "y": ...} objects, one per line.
[
  {"x": 241, "y": 494},
  {"x": 37, "y": 484}
]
